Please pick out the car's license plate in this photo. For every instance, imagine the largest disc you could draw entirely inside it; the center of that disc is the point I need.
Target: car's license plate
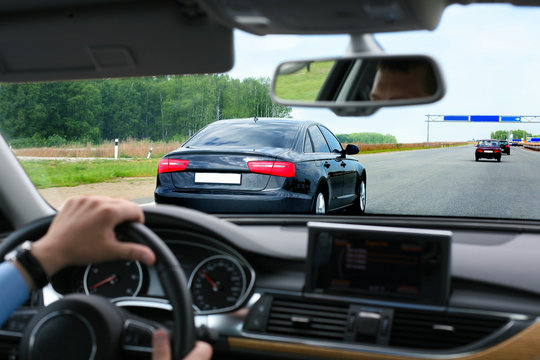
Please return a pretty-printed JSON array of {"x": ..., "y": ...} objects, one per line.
[
  {"x": 218, "y": 178},
  {"x": 488, "y": 151}
]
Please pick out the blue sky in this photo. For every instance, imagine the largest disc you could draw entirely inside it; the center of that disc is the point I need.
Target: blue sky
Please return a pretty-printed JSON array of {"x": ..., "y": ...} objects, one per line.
[{"x": 490, "y": 59}]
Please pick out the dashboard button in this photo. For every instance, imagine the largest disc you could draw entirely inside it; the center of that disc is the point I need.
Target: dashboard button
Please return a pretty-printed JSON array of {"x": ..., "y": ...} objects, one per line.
[{"x": 258, "y": 316}]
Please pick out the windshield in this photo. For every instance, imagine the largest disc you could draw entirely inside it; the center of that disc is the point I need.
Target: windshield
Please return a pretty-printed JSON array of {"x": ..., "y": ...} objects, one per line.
[
  {"x": 244, "y": 135},
  {"x": 488, "y": 143},
  {"x": 109, "y": 136}
]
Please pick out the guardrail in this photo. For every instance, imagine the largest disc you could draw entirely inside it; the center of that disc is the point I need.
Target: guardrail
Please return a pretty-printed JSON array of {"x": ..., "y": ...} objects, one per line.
[{"x": 532, "y": 146}]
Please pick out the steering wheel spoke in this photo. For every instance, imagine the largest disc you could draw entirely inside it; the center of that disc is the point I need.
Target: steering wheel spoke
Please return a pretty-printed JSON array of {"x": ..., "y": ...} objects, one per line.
[
  {"x": 136, "y": 338},
  {"x": 13, "y": 329}
]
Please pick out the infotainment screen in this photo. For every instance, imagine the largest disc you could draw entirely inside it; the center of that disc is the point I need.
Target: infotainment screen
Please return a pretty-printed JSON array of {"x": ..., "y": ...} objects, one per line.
[{"x": 380, "y": 262}]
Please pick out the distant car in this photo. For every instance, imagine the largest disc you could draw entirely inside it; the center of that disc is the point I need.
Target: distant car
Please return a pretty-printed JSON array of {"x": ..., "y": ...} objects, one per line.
[
  {"x": 261, "y": 166},
  {"x": 488, "y": 149},
  {"x": 505, "y": 146}
]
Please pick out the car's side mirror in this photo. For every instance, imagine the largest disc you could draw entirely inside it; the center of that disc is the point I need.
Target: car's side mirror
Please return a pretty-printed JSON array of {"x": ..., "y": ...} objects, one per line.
[
  {"x": 350, "y": 149},
  {"x": 358, "y": 85}
]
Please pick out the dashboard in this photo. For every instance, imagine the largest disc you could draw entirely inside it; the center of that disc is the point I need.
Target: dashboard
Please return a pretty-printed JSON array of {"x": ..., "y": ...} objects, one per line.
[{"x": 250, "y": 282}]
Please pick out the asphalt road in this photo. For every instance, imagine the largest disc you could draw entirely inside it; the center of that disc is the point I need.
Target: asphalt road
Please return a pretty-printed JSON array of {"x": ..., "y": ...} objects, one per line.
[{"x": 448, "y": 181}]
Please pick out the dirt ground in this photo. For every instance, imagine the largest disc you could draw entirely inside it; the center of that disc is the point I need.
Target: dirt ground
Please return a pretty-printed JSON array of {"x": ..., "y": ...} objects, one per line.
[{"x": 128, "y": 188}]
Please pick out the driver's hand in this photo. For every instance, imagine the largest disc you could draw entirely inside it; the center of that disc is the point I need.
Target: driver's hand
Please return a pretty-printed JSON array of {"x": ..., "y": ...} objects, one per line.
[
  {"x": 83, "y": 232},
  {"x": 162, "y": 348}
]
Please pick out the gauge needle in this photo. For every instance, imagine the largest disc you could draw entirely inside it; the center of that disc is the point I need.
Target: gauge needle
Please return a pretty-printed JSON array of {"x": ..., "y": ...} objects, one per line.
[
  {"x": 103, "y": 282},
  {"x": 212, "y": 282}
]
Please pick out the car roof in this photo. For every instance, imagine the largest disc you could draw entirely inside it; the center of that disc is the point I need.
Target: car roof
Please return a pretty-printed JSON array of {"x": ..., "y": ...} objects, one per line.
[{"x": 258, "y": 120}]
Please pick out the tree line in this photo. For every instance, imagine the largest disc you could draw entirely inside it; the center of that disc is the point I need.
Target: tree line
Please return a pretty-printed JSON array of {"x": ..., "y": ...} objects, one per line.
[
  {"x": 516, "y": 134},
  {"x": 156, "y": 108},
  {"x": 367, "y": 138}
]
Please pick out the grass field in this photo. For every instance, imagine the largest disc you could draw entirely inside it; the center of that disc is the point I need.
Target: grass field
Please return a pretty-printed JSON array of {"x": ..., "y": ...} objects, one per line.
[
  {"x": 303, "y": 85},
  {"x": 377, "y": 148},
  {"x": 128, "y": 148},
  {"x": 54, "y": 173}
]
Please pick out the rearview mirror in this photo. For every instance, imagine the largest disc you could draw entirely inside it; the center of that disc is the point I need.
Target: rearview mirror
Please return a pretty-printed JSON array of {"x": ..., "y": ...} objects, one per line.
[{"x": 358, "y": 85}]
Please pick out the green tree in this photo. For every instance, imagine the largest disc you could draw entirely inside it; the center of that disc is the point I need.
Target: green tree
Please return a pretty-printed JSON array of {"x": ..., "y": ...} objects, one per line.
[
  {"x": 505, "y": 134},
  {"x": 166, "y": 107},
  {"x": 500, "y": 135},
  {"x": 519, "y": 134}
]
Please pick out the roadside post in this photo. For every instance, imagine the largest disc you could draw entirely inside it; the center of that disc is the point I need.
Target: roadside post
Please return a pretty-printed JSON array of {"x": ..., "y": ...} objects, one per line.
[
  {"x": 149, "y": 153},
  {"x": 116, "y": 148}
]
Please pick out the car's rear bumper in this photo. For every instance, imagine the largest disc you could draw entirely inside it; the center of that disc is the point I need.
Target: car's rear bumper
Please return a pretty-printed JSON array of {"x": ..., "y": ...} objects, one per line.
[
  {"x": 488, "y": 156},
  {"x": 275, "y": 201}
]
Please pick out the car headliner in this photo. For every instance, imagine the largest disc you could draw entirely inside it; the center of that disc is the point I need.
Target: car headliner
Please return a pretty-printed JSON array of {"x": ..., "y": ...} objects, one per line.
[{"x": 120, "y": 38}]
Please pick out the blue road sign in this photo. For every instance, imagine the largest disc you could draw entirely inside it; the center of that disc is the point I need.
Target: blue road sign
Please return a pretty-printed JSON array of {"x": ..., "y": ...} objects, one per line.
[
  {"x": 456, "y": 118},
  {"x": 485, "y": 118},
  {"x": 535, "y": 139},
  {"x": 510, "y": 118}
]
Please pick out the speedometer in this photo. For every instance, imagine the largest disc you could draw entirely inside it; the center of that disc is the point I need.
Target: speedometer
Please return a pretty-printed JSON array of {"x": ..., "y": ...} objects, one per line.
[
  {"x": 217, "y": 283},
  {"x": 114, "y": 279}
]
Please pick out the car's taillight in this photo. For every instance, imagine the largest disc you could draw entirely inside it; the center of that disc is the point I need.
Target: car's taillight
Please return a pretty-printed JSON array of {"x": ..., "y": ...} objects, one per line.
[
  {"x": 497, "y": 150},
  {"x": 479, "y": 150},
  {"x": 170, "y": 165},
  {"x": 277, "y": 168}
]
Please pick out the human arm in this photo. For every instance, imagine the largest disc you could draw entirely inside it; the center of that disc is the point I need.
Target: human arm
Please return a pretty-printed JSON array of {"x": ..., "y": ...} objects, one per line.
[
  {"x": 14, "y": 290},
  {"x": 82, "y": 233}
]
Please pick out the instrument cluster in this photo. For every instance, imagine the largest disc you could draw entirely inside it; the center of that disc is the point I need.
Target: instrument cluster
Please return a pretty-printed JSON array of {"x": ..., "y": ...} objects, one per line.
[{"x": 219, "y": 278}]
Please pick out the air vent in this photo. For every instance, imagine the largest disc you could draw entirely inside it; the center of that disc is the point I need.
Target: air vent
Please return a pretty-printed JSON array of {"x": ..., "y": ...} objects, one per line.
[
  {"x": 307, "y": 319},
  {"x": 436, "y": 330}
]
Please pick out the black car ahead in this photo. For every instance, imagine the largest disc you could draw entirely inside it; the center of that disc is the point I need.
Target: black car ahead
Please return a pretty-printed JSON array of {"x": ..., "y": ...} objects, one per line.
[
  {"x": 488, "y": 149},
  {"x": 505, "y": 146},
  {"x": 263, "y": 165}
]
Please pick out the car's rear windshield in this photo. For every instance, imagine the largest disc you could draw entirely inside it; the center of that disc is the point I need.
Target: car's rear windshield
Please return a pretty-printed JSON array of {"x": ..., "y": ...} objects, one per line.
[
  {"x": 246, "y": 135},
  {"x": 488, "y": 143}
]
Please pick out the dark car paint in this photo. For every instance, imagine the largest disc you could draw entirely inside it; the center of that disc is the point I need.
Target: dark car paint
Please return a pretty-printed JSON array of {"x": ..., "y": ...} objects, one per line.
[
  {"x": 330, "y": 170},
  {"x": 480, "y": 153},
  {"x": 505, "y": 146}
]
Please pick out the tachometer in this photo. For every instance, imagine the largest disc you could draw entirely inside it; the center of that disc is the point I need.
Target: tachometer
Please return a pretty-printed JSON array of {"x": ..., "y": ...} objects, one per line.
[
  {"x": 114, "y": 279},
  {"x": 217, "y": 283}
]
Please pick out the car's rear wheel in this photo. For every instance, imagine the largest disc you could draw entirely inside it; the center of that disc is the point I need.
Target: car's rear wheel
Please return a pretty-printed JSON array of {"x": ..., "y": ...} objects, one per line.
[
  {"x": 477, "y": 158},
  {"x": 320, "y": 204},
  {"x": 359, "y": 204},
  {"x": 498, "y": 159}
]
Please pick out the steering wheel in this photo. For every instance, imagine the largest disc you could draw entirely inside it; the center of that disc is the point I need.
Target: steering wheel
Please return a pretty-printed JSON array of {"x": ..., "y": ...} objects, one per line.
[{"x": 91, "y": 327}]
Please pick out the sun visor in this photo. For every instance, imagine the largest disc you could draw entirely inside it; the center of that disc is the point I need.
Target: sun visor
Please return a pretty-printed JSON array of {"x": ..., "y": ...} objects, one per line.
[
  {"x": 326, "y": 17},
  {"x": 120, "y": 40}
]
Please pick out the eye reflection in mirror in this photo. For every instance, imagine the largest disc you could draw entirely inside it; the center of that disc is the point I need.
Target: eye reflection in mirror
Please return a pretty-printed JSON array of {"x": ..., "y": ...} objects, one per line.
[
  {"x": 358, "y": 84},
  {"x": 403, "y": 79}
]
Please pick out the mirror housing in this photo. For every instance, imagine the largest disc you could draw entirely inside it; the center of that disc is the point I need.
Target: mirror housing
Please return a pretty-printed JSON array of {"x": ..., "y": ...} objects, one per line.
[
  {"x": 358, "y": 85},
  {"x": 351, "y": 149}
]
